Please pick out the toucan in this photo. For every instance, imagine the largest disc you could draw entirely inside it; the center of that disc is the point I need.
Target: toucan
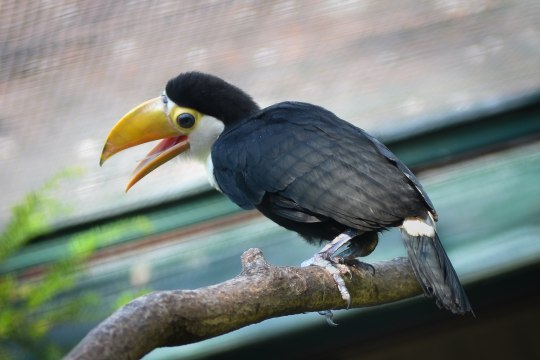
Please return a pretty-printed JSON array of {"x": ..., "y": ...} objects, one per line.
[{"x": 302, "y": 167}]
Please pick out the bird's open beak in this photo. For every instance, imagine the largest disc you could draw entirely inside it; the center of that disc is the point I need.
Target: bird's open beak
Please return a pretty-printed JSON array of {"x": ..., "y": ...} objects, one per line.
[{"x": 147, "y": 122}]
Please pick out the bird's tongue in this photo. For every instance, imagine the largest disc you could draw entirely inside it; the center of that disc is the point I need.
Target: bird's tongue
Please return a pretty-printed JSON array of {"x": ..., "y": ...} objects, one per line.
[
  {"x": 164, "y": 151},
  {"x": 164, "y": 145}
]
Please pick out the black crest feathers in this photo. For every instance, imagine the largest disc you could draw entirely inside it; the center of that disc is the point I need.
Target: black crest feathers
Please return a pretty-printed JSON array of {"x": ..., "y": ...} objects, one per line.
[{"x": 211, "y": 95}]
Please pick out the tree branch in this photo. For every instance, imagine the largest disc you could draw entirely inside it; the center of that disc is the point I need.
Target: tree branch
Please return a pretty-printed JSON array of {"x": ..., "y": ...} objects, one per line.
[{"x": 261, "y": 291}]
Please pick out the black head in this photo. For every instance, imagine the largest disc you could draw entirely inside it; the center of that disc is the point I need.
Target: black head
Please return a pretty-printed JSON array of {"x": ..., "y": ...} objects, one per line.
[{"x": 211, "y": 95}]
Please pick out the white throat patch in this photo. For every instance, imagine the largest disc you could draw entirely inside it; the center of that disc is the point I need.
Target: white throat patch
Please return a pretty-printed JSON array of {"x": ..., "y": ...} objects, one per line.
[
  {"x": 202, "y": 138},
  {"x": 210, "y": 173}
]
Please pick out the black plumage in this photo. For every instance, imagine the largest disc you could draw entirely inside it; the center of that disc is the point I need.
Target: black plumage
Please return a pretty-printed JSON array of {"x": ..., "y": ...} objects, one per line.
[
  {"x": 303, "y": 167},
  {"x": 437, "y": 276},
  {"x": 210, "y": 95},
  {"x": 307, "y": 170},
  {"x": 313, "y": 173},
  {"x": 316, "y": 174}
]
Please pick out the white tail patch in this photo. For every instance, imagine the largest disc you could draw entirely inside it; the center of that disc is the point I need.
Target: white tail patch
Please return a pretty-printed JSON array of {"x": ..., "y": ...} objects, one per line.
[{"x": 417, "y": 227}]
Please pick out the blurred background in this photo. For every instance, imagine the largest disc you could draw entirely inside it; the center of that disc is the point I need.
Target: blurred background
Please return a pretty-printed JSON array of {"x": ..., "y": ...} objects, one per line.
[{"x": 452, "y": 86}]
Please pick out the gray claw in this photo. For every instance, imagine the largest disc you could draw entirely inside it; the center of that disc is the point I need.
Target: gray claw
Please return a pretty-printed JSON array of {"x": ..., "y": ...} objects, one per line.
[
  {"x": 328, "y": 315},
  {"x": 345, "y": 295},
  {"x": 335, "y": 269}
]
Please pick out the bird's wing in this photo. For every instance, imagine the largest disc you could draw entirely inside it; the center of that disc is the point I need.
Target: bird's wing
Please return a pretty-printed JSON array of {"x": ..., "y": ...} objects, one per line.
[
  {"x": 406, "y": 171},
  {"x": 316, "y": 165}
]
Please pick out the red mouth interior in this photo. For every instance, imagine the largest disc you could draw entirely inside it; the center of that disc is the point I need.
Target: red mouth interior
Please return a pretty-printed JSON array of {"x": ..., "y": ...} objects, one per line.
[{"x": 161, "y": 147}]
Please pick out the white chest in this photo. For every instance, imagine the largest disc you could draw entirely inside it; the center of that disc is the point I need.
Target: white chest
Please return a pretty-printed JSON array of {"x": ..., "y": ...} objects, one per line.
[{"x": 210, "y": 173}]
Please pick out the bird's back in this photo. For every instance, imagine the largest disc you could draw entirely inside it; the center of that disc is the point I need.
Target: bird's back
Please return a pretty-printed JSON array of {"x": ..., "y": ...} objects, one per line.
[{"x": 314, "y": 163}]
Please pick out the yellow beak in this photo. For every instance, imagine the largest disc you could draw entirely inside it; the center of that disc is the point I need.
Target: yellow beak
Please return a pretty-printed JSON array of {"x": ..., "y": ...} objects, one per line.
[{"x": 147, "y": 122}]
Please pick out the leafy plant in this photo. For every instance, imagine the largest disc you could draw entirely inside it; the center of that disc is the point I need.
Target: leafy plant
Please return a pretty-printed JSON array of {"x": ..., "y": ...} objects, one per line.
[
  {"x": 31, "y": 306},
  {"x": 33, "y": 215}
]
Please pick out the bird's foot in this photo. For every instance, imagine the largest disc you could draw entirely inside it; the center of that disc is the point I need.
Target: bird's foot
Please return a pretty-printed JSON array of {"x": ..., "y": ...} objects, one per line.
[
  {"x": 357, "y": 264},
  {"x": 328, "y": 315},
  {"x": 336, "y": 269}
]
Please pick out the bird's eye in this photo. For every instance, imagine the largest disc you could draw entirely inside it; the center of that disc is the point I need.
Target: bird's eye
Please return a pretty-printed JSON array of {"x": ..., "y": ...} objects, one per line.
[{"x": 185, "y": 120}]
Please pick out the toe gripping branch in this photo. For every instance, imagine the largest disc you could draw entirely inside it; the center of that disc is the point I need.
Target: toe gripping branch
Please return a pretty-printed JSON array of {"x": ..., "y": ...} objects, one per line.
[{"x": 333, "y": 265}]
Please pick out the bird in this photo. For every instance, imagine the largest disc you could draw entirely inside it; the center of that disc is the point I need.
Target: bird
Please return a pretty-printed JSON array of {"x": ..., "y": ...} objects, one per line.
[{"x": 302, "y": 167}]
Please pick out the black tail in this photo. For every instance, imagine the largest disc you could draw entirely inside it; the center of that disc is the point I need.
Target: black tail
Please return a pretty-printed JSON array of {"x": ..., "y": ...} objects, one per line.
[{"x": 434, "y": 270}]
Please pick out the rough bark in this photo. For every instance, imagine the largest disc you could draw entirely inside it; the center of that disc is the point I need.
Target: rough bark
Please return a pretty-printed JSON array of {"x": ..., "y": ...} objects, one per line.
[{"x": 261, "y": 291}]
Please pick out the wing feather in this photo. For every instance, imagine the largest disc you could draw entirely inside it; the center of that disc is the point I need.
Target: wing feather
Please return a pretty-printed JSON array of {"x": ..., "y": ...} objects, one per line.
[{"x": 317, "y": 164}]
